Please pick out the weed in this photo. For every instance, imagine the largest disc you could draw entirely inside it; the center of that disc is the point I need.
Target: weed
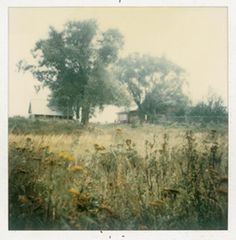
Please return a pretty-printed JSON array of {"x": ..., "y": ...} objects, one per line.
[{"x": 119, "y": 179}]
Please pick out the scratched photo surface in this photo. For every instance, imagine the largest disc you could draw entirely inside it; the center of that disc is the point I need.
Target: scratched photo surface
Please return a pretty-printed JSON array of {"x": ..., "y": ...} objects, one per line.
[{"x": 118, "y": 118}]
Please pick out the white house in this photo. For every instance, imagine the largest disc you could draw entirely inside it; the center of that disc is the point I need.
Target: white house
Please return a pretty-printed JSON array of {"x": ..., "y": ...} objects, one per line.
[{"x": 38, "y": 108}]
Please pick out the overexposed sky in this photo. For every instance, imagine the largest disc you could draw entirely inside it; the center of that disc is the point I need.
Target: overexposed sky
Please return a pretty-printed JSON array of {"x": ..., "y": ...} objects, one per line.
[{"x": 195, "y": 38}]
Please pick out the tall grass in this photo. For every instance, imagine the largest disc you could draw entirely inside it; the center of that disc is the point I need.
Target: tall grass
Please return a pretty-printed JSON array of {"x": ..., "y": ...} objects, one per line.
[
  {"x": 147, "y": 178},
  {"x": 21, "y": 125}
]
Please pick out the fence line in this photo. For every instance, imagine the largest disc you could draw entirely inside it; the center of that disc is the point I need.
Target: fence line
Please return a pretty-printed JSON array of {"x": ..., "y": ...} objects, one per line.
[{"x": 187, "y": 119}]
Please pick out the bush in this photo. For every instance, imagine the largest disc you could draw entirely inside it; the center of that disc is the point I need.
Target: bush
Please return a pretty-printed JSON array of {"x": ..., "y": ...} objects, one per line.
[{"x": 211, "y": 111}]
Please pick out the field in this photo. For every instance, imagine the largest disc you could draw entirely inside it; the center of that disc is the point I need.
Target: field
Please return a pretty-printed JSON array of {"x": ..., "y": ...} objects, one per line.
[{"x": 117, "y": 177}]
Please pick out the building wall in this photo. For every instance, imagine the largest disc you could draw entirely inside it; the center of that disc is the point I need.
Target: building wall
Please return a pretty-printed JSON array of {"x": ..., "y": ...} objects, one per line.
[
  {"x": 49, "y": 116},
  {"x": 123, "y": 117}
]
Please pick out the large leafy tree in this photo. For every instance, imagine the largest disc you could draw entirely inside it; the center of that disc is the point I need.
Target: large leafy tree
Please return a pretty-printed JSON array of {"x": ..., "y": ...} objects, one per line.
[
  {"x": 74, "y": 64},
  {"x": 168, "y": 98},
  {"x": 155, "y": 84}
]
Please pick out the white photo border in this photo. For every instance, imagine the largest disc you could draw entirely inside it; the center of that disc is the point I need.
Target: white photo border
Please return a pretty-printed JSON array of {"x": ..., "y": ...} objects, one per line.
[{"x": 97, "y": 235}]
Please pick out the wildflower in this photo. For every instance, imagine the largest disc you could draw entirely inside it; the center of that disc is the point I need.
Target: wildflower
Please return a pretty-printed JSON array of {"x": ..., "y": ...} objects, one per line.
[
  {"x": 76, "y": 168},
  {"x": 66, "y": 156},
  {"x": 61, "y": 154},
  {"x": 23, "y": 199},
  {"x": 38, "y": 200},
  {"x": 99, "y": 148},
  {"x": 102, "y": 148},
  {"x": 20, "y": 149},
  {"x": 74, "y": 192},
  {"x": 128, "y": 142},
  {"x": 118, "y": 130},
  {"x": 49, "y": 159},
  {"x": 170, "y": 193},
  {"x": 171, "y": 190}
]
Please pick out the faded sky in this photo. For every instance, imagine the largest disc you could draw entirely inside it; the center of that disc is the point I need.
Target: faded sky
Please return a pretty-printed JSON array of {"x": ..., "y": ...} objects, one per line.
[{"x": 194, "y": 38}]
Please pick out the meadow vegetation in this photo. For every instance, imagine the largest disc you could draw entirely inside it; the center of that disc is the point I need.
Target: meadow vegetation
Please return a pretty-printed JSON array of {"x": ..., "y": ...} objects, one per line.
[{"x": 117, "y": 177}]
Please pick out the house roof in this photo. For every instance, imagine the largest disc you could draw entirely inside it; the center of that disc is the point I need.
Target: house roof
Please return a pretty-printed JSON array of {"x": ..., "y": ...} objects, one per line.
[
  {"x": 40, "y": 107},
  {"x": 128, "y": 110}
]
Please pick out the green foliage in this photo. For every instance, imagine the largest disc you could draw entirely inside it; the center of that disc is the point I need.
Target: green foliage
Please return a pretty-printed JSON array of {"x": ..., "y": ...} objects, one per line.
[
  {"x": 204, "y": 182},
  {"x": 74, "y": 63},
  {"x": 111, "y": 42},
  {"x": 154, "y": 83},
  {"x": 116, "y": 187},
  {"x": 42, "y": 187},
  {"x": 167, "y": 98},
  {"x": 211, "y": 110}
]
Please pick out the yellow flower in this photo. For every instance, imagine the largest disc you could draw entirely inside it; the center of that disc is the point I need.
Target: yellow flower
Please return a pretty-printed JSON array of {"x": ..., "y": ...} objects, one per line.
[
  {"x": 66, "y": 156},
  {"x": 61, "y": 154},
  {"x": 74, "y": 192},
  {"x": 76, "y": 168}
]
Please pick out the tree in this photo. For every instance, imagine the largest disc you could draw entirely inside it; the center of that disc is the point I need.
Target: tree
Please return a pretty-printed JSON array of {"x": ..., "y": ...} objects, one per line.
[
  {"x": 74, "y": 64},
  {"x": 211, "y": 110},
  {"x": 154, "y": 83},
  {"x": 168, "y": 98}
]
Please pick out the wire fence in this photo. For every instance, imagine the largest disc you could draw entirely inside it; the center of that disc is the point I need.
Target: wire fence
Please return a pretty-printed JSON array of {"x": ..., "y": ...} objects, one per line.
[{"x": 163, "y": 119}]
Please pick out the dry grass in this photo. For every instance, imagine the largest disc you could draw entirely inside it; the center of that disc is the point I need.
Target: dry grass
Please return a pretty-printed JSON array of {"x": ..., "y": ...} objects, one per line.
[{"x": 117, "y": 177}]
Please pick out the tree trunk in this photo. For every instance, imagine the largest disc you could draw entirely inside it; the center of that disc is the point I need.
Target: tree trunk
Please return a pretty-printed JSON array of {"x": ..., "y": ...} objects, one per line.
[
  {"x": 141, "y": 113},
  {"x": 85, "y": 115},
  {"x": 77, "y": 112}
]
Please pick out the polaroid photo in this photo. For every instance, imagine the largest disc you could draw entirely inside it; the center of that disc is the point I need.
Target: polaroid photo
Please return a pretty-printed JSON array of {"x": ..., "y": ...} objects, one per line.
[{"x": 117, "y": 119}]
